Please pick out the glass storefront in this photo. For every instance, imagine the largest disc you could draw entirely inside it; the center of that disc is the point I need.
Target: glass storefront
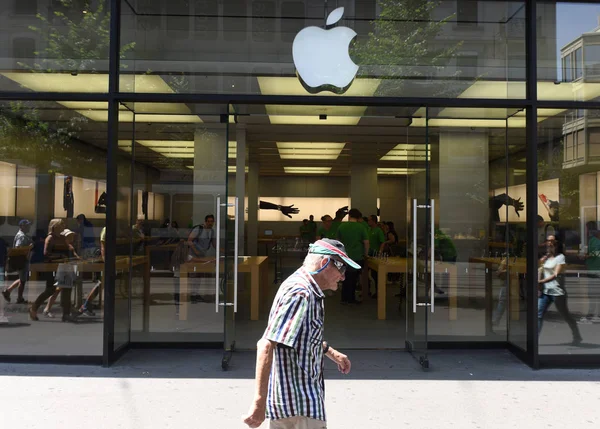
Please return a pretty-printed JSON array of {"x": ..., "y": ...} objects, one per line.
[{"x": 156, "y": 194}]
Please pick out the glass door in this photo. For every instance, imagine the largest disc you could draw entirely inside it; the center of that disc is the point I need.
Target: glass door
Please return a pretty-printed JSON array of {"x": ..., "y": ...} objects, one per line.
[{"x": 419, "y": 243}]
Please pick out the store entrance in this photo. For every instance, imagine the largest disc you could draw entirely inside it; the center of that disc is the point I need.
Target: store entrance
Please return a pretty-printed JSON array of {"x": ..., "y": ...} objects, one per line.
[{"x": 435, "y": 181}]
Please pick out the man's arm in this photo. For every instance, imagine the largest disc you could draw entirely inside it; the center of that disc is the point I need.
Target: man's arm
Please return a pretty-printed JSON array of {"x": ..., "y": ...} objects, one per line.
[
  {"x": 367, "y": 245},
  {"x": 264, "y": 361},
  {"x": 340, "y": 359}
]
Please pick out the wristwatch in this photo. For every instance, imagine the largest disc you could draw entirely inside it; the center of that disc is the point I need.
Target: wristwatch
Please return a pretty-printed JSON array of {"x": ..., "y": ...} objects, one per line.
[{"x": 326, "y": 349}]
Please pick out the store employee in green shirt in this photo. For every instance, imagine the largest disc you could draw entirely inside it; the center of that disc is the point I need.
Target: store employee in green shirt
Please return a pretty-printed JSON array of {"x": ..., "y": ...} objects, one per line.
[
  {"x": 329, "y": 228},
  {"x": 305, "y": 231},
  {"x": 376, "y": 236},
  {"x": 356, "y": 241}
]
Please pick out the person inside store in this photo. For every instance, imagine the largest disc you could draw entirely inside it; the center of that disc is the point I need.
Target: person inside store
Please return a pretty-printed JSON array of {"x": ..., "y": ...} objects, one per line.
[
  {"x": 376, "y": 247},
  {"x": 291, "y": 350},
  {"x": 356, "y": 240},
  {"x": 20, "y": 262},
  {"x": 391, "y": 239},
  {"x": 201, "y": 240},
  {"x": 138, "y": 235},
  {"x": 551, "y": 287},
  {"x": 326, "y": 230},
  {"x": 313, "y": 228},
  {"x": 55, "y": 249},
  {"x": 305, "y": 231}
]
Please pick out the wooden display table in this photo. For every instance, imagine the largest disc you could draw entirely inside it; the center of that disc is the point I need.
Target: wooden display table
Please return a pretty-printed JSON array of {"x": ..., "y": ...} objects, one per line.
[
  {"x": 400, "y": 265},
  {"x": 257, "y": 266}
]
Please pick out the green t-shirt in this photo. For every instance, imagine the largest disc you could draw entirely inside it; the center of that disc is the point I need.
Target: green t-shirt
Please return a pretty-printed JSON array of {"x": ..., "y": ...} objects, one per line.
[
  {"x": 331, "y": 233},
  {"x": 313, "y": 229},
  {"x": 305, "y": 232},
  {"x": 376, "y": 239},
  {"x": 352, "y": 235},
  {"x": 592, "y": 262},
  {"x": 445, "y": 246}
]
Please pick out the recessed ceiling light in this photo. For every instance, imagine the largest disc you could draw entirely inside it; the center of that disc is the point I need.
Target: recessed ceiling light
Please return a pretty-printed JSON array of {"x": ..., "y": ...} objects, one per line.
[
  {"x": 308, "y": 150},
  {"x": 398, "y": 171},
  {"x": 307, "y": 170}
]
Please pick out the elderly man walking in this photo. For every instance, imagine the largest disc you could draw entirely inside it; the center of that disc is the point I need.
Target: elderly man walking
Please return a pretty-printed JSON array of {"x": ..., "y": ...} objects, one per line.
[{"x": 289, "y": 367}]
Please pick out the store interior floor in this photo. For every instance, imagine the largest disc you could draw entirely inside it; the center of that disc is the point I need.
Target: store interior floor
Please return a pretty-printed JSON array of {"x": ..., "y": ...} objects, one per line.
[{"x": 348, "y": 327}]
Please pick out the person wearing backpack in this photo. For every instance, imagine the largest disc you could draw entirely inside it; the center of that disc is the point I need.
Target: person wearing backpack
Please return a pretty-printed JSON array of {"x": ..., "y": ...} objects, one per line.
[{"x": 201, "y": 240}]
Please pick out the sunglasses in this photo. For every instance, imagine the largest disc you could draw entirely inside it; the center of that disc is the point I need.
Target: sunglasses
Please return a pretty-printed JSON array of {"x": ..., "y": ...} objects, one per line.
[{"x": 339, "y": 265}]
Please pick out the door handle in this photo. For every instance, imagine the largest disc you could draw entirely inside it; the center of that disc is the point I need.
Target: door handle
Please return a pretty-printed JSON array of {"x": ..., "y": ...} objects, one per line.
[
  {"x": 235, "y": 256},
  {"x": 414, "y": 276},
  {"x": 432, "y": 273},
  {"x": 431, "y": 206},
  {"x": 218, "y": 253}
]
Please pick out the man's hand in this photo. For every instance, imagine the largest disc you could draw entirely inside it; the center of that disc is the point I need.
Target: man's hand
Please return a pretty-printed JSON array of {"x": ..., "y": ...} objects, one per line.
[
  {"x": 518, "y": 205},
  {"x": 289, "y": 210},
  {"x": 256, "y": 414},
  {"x": 340, "y": 359}
]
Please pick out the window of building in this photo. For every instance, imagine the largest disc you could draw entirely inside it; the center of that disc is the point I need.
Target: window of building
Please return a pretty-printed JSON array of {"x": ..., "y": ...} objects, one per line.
[
  {"x": 263, "y": 20},
  {"x": 235, "y": 21},
  {"x": 578, "y": 63},
  {"x": 25, "y": 7},
  {"x": 592, "y": 60},
  {"x": 292, "y": 19},
  {"x": 148, "y": 15},
  {"x": 467, "y": 12},
  {"x": 567, "y": 70},
  {"x": 23, "y": 47},
  {"x": 206, "y": 20},
  {"x": 178, "y": 18}
]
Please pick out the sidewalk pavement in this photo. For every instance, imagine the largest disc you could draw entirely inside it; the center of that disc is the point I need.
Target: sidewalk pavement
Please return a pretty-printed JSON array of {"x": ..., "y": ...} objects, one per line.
[{"x": 160, "y": 389}]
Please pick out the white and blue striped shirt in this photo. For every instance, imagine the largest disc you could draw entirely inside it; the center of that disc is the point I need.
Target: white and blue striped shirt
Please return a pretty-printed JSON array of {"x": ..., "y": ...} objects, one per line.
[{"x": 296, "y": 386}]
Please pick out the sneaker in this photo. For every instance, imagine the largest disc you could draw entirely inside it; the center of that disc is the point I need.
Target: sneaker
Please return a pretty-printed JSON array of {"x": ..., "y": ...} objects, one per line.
[
  {"x": 577, "y": 341},
  {"x": 6, "y": 295},
  {"x": 21, "y": 301},
  {"x": 584, "y": 321},
  {"x": 87, "y": 312},
  {"x": 595, "y": 319},
  {"x": 48, "y": 314},
  {"x": 32, "y": 314}
]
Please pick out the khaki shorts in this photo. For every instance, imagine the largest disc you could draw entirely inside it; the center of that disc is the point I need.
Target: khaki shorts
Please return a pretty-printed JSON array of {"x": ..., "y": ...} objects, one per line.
[{"x": 298, "y": 422}]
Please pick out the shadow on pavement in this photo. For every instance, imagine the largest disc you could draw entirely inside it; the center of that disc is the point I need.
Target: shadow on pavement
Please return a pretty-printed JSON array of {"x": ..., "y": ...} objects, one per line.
[{"x": 366, "y": 365}]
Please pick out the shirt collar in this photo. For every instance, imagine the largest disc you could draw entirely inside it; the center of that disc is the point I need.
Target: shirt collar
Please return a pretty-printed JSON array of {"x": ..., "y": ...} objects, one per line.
[{"x": 312, "y": 284}]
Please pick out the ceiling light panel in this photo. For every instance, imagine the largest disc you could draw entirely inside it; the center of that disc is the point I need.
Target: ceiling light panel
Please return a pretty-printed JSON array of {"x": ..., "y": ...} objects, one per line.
[
  {"x": 307, "y": 170},
  {"x": 309, "y": 150},
  {"x": 398, "y": 171}
]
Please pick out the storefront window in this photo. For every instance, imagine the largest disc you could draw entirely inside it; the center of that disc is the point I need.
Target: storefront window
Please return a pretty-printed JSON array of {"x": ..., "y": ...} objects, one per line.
[
  {"x": 568, "y": 225},
  {"x": 52, "y": 188}
]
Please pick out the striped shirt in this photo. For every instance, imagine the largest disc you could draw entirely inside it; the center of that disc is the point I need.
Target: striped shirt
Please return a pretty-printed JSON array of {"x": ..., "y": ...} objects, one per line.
[{"x": 296, "y": 386}]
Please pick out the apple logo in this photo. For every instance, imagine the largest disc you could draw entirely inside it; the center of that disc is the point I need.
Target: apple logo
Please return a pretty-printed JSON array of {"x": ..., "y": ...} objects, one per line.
[{"x": 321, "y": 56}]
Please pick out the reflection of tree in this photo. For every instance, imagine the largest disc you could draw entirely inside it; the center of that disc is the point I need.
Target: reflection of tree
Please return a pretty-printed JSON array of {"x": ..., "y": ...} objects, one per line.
[
  {"x": 79, "y": 41},
  {"x": 404, "y": 45},
  {"x": 47, "y": 146}
]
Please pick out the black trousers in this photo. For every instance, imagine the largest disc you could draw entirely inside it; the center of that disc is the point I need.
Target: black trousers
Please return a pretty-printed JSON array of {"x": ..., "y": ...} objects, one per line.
[
  {"x": 48, "y": 291},
  {"x": 65, "y": 295},
  {"x": 349, "y": 284}
]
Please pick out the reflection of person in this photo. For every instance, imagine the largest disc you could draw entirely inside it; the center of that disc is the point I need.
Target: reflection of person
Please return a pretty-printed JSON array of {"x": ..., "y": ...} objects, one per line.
[
  {"x": 291, "y": 350},
  {"x": 444, "y": 247},
  {"x": 22, "y": 240},
  {"x": 551, "y": 288},
  {"x": 84, "y": 309},
  {"x": 70, "y": 239},
  {"x": 544, "y": 231},
  {"x": 355, "y": 239},
  {"x": 53, "y": 241}
]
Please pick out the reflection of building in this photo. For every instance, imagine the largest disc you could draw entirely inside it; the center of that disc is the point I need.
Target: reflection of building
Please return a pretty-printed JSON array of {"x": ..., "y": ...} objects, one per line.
[{"x": 580, "y": 61}]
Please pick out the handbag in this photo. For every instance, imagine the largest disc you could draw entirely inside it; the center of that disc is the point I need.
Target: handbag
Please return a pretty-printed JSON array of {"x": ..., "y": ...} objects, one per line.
[{"x": 66, "y": 275}]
